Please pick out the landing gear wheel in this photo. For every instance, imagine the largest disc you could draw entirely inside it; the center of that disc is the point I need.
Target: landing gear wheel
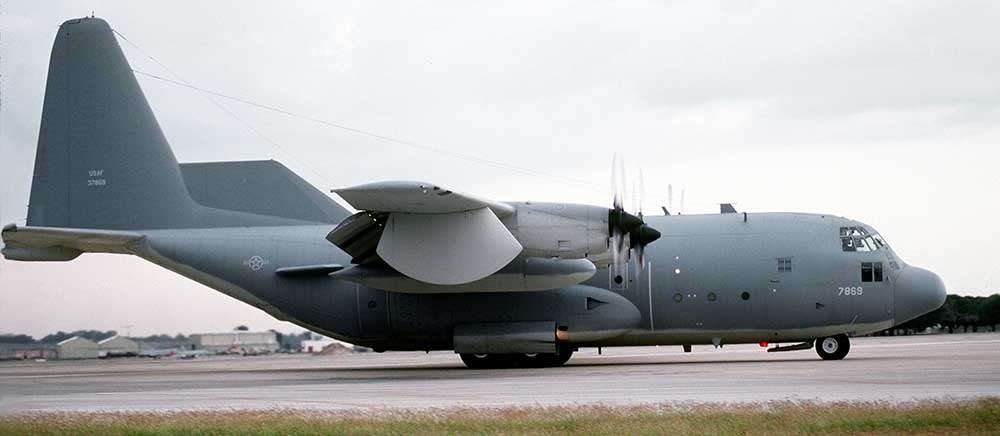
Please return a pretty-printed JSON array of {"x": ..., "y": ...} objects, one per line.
[
  {"x": 530, "y": 360},
  {"x": 544, "y": 360},
  {"x": 485, "y": 361},
  {"x": 562, "y": 355},
  {"x": 534, "y": 360},
  {"x": 833, "y": 347}
]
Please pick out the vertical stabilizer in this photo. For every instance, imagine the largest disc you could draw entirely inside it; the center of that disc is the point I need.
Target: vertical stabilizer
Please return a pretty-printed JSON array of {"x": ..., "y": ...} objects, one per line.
[{"x": 102, "y": 160}]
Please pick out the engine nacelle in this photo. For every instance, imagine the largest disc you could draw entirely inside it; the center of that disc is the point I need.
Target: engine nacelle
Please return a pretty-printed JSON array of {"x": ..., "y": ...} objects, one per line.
[{"x": 560, "y": 230}]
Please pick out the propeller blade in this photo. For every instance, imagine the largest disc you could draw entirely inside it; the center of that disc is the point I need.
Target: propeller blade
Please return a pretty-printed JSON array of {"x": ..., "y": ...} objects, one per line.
[
  {"x": 635, "y": 199},
  {"x": 618, "y": 182},
  {"x": 642, "y": 193},
  {"x": 670, "y": 198}
]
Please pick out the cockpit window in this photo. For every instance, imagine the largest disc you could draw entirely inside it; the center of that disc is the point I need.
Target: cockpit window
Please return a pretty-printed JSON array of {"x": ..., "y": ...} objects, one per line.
[
  {"x": 879, "y": 241},
  {"x": 858, "y": 239}
]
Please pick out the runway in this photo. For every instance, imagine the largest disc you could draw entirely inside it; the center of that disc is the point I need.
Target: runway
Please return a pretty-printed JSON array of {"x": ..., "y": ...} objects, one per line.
[{"x": 898, "y": 369}]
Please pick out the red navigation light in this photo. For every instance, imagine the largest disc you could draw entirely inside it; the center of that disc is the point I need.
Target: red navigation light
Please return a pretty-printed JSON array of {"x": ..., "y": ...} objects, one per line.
[{"x": 763, "y": 344}]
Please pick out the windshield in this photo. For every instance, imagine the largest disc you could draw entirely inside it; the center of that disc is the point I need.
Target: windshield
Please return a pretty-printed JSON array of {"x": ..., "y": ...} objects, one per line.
[{"x": 858, "y": 239}]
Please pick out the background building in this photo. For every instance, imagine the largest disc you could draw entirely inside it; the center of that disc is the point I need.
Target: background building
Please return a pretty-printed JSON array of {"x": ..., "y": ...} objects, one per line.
[
  {"x": 77, "y": 348},
  {"x": 117, "y": 346},
  {"x": 315, "y": 343},
  {"x": 237, "y": 342},
  {"x": 10, "y": 351}
]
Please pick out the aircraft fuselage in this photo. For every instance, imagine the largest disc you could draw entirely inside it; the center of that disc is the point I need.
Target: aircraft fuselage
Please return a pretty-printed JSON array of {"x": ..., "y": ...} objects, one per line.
[{"x": 726, "y": 278}]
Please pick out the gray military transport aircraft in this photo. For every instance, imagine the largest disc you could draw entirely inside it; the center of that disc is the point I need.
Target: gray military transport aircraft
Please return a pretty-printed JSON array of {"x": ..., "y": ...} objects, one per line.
[{"x": 421, "y": 267}]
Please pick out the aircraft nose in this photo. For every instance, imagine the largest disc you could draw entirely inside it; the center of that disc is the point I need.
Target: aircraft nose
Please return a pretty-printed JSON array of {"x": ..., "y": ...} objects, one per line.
[{"x": 918, "y": 291}]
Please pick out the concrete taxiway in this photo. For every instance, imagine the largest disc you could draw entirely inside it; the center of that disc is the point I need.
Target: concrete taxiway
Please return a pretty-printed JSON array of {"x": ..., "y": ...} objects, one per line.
[{"x": 898, "y": 369}]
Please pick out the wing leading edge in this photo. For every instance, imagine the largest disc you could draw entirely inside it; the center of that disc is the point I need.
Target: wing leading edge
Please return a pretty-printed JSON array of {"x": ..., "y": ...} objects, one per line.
[{"x": 416, "y": 197}]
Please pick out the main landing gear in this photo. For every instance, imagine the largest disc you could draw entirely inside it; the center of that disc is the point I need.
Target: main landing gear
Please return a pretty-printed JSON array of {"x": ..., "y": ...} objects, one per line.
[
  {"x": 833, "y": 347},
  {"x": 531, "y": 360}
]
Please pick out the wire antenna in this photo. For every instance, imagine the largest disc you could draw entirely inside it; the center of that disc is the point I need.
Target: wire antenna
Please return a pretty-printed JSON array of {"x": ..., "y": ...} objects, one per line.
[{"x": 179, "y": 81}]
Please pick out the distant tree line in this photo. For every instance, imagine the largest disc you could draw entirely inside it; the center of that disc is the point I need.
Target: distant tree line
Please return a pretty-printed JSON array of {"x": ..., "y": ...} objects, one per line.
[
  {"x": 958, "y": 313},
  {"x": 94, "y": 335},
  {"x": 17, "y": 339}
]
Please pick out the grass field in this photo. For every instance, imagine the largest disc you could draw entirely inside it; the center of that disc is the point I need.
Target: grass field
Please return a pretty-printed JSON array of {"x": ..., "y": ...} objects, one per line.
[{"x": 929, "y": 418}]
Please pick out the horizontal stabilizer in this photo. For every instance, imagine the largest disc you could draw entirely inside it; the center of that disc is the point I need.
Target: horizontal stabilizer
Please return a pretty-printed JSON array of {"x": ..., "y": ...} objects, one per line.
[
  {"x": 59, "y": 244},
  {"x": 416, "y": 197}
]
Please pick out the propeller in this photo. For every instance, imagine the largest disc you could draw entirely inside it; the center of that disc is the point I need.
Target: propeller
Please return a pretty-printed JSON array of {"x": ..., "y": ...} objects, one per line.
[
  {"x": 643, "y": 234},
  {"x": 627, "y": 231}
]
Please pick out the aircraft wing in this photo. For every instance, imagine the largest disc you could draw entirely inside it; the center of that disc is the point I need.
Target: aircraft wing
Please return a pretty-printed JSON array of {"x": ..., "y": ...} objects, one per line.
[
  {"x": 426, "y": 232},
  {"x": 416, "y": 197},
  {"x": 60, "y": 244}
]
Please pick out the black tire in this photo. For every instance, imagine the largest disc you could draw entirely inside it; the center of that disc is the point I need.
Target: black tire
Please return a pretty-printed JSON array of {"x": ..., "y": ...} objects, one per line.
[
  {"x": 562, "y": 356},
  {"x": 534, "y": 360},
  {"x": 833, "y": 347},
  {"x": 484, "y": 361},
  {"x": 545, "y": 360}
]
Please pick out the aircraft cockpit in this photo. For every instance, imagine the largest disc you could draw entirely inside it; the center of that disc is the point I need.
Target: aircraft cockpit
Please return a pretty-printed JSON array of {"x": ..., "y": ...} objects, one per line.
[{"x": 856, "y": 238}]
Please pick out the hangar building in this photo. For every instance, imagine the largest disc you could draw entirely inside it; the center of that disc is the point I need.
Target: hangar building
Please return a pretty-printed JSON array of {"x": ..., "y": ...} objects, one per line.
[
  {"x": 237, "y": 341},
  {"x": 77, "y": 348},
  {"x": 116, "y": 346}
]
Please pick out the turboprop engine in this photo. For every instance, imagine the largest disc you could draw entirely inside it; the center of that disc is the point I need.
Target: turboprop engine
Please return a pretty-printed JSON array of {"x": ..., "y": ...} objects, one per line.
[
  {"x": 420, "y": 238},
  {"x": 576, "y": 231}
]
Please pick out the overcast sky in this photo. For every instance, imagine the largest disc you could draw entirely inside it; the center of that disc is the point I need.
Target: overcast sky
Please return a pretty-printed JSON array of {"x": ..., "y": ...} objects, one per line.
[{"x": 885, "y": 112}]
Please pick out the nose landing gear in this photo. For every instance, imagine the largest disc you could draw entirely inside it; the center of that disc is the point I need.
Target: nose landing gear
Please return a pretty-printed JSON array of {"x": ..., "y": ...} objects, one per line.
[{"x": 833, "y": 347}]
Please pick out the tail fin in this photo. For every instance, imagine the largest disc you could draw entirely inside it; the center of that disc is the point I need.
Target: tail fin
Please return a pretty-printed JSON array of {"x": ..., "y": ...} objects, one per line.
[{"x": 102, "y": 160}]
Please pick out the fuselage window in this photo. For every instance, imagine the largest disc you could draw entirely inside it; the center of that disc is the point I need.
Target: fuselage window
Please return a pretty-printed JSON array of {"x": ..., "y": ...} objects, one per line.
[
  {"x": 871, "y": 271},
  {"x": 784, "y": 264},
  {"x": 858, "y": 239}
]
